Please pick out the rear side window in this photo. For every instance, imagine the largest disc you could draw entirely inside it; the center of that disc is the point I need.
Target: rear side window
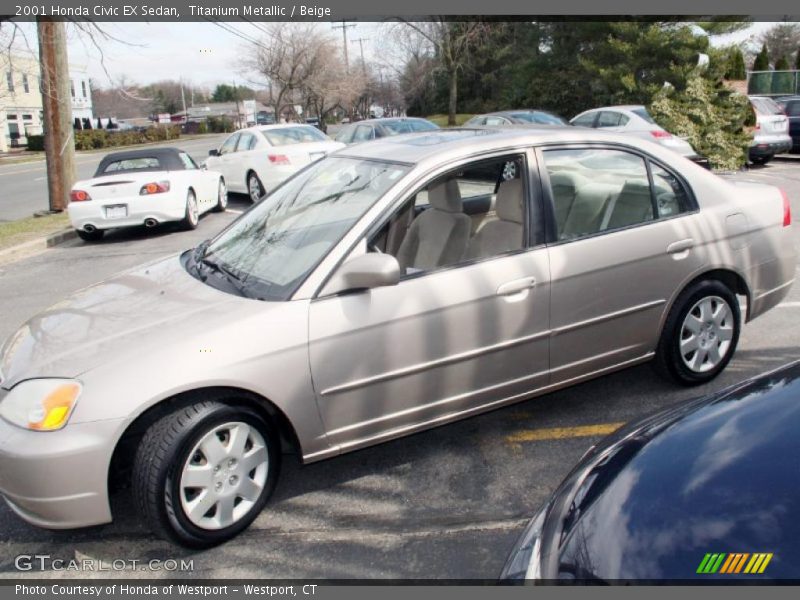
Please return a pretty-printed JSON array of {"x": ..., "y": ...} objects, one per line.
[
  {"x": 670, "y": 195},
  {"x": 496, "y": 121},
  {"x": 642, "y": 113},
  {"x": 286, "y": 136},
  {"x": 597, "y": 190},
  {"x": 133, "y": 164},
  {"x": 793, "y": 108},
  {"x": 247, "y": 141},
  {"x": 187, "y": 161},
  {"x": 396, "y": 127},
  {"x": 766, "y": 106},
  {"x": 345, "y": 135}
]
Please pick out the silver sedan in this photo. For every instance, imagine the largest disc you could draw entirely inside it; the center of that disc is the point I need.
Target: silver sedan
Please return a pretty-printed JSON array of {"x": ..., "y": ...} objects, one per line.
[{"x": 388, "y": 288}]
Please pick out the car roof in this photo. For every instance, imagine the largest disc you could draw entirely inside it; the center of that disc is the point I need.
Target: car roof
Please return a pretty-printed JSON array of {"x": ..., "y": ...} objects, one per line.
[
  {"x": 446, "y": 144},
  {"x": 387, "y": 120},
  {"x": 168, "y": 159}
]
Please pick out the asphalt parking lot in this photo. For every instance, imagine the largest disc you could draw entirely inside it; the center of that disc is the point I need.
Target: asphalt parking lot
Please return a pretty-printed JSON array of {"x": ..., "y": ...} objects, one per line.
[{"x": 446, "y": 503}]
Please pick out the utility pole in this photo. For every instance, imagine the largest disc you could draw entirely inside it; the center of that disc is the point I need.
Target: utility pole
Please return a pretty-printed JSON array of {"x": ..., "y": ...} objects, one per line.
[
  {"x": 344, "y": 26},
  {"x": 59, "y": 146},
  {"x": 360, "y": 42},
  {"x": 183, "y": 101}
]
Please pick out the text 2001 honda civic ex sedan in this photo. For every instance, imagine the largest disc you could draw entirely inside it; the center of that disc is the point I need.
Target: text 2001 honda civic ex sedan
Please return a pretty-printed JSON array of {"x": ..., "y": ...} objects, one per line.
[{"x": 388, "y": 288}]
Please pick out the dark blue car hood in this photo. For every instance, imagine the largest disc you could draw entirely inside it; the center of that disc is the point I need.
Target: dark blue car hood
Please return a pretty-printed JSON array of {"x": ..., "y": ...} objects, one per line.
[{"x": 717, "y": 476}]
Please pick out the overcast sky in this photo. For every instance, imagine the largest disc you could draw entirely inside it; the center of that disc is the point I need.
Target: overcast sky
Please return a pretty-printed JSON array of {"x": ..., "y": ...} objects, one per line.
[{"x": 205, "y": 54}]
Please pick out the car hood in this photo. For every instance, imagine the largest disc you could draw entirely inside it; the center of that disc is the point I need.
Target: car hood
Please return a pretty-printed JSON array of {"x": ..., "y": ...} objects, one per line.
[
  {"x": 717, "y": 475},
  {"x": 107, "y": 320}
]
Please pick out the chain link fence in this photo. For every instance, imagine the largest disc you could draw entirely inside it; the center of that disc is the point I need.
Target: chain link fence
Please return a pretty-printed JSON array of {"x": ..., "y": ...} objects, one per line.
[{"x": 773, "y": 83}]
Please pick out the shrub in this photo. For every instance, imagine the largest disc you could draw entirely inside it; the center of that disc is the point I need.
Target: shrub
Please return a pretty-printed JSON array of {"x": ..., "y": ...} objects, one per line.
[
  {"x": 36, "y": 143},
  {"x": 93, "y": 139},
  {"x": 711, "y": 117}
]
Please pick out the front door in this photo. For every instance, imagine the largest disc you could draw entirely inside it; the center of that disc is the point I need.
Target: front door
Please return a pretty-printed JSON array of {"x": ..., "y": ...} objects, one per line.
[{"x": 452, "y": 337}]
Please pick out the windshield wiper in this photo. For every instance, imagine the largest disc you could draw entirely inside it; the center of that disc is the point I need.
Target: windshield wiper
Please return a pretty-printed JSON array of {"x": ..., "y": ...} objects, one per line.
[{"x": 233, "y": 279}]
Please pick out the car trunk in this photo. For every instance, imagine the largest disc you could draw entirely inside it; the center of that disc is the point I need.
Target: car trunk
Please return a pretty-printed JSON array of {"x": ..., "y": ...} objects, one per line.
[
  {"x": 123, "y": 185},
  {"x": 302, "y": 154}
]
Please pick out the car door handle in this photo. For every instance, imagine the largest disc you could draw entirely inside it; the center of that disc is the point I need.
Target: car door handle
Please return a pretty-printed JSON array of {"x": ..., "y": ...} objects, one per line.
[
  {"x": 680, "y": 246},
  {"x": 514, "y": 287}
]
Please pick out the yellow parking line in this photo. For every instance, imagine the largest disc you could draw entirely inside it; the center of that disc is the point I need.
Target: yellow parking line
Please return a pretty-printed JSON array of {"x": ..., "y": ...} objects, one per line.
[{"x": 560, "y": 433}]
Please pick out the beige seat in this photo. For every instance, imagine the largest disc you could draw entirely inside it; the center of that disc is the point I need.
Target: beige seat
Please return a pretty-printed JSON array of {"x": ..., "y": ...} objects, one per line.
[
  {"x": 565, "y": 186},
  {"x": 634, "y": 204},
  {"x": 439, "y": 235},
  {"x": 586, "y": 214},
  {"x": 505, "y": 234}
]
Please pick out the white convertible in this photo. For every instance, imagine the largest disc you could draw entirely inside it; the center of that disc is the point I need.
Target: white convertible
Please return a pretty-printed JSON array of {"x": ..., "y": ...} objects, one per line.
[
  {"x": 254, "y": 161},
  {"x": 148, "y": 186}
]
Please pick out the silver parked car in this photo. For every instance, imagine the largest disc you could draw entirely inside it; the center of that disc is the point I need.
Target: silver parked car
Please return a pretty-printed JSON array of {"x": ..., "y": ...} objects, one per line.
[
  {"x": 634, "y": 120},
  {"x": 771, "y": 134},
  {"x": 385, "y": 289}
]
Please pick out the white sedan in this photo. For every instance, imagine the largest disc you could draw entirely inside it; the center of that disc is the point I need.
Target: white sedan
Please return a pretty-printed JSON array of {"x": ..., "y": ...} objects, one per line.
[
  {"x": 254, "y": 161},
  {"x": 144, "y": 187},
  {"x": 635, "y": 120}
]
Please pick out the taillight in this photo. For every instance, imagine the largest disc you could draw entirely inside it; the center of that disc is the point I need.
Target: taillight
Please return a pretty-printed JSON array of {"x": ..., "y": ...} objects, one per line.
[
  {"x": 155, "y": 187},
  {"x": 660, "y": 134},
  {"x": 278, "y": 159},
  {"x": 787, "y": 209},
  {"x": 79, "y": 196}
]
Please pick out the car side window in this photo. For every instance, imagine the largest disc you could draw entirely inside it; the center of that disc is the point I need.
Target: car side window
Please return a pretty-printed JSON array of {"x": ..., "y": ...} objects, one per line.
[
  {"x": 247, "y": 141},
  {"x": 188, "y": 162},
  {"x": 598, "y": 189},
  {"x": 345, "y": 135},
  {"x": 496, "y": 121},
  {"x": 793, "y": 108},
  {"x": 585, "y": 120},
  {"x": 623, "y": 119},
  {"x": 670, "y": 195},
  {"x": 434, "y": 228},
  {"x": 608, "y": 119},
  {"x": 230, "y": 144},
  {"x": 364, "y": 133}
]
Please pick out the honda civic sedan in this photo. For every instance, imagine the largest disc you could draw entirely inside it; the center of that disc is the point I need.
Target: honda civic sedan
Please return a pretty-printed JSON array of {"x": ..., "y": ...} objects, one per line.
[{"x": 385, "y": 289}]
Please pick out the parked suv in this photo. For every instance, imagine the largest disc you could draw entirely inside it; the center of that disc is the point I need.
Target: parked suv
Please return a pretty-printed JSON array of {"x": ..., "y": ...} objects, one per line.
[
  {"x": 791, "y": 107},
  {"x": 771, "y": 135}
]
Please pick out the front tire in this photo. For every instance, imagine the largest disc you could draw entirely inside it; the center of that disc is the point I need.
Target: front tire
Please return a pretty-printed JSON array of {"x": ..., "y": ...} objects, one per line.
[
  {"x": 90, "y": 236},
  {"x": 204, "y": 472},
  {"x": 222, "y": 197},
  {"x": 700, "y": 334},
  {"x": 192, "y": 214}
]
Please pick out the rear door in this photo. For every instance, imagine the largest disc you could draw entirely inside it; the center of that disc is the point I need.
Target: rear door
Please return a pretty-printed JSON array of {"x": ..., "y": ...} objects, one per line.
[
  {"x": 224, "y": 163},
  {"x": 620, "y": 248}
]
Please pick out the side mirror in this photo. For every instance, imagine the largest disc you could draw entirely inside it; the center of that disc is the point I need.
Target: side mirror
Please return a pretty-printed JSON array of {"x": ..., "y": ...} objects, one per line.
[
  {"x": 364, "y": 272},
  {"x": 213, "y": 152}
]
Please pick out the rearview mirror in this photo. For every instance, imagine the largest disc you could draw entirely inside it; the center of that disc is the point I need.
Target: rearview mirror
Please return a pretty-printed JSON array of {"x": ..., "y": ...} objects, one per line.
[
  {"x": 364, "y": 272},
  {"x": 213, "y": 152}
]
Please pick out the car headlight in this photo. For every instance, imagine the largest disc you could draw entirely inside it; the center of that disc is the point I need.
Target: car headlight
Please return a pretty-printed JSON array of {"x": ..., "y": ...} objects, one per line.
[
  {"x": 525, "y": 558},
  {"x": 41, "y": 404}
]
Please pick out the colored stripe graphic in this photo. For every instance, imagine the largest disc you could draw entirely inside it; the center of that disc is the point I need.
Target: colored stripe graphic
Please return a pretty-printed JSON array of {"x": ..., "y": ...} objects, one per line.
[{"x": 733, "y": 563}]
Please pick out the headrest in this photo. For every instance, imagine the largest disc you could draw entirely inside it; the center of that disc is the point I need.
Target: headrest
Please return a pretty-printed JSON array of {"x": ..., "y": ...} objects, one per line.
[
  {"x": 566, "y": 179},
  {"x": 445, "y": 195},
  {"x": 508, "y": 203}
]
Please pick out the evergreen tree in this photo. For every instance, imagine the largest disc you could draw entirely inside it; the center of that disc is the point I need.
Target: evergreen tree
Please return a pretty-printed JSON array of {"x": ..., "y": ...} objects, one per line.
[
  {"x": 761, "y": 82},
  {"x": 782, "y": 82},
  {"x": 736, "y": 70}
]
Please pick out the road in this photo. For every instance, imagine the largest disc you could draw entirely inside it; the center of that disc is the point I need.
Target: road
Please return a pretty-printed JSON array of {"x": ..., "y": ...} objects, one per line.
[
  {"x": 24, "y": 185},
  {"x": 446, "y": 503}
]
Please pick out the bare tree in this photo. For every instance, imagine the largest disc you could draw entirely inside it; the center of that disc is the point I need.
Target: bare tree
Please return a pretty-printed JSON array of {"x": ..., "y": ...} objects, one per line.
[
  {"x": 451, "y": 43},
  {"x": 331, "y": 87},
  {"x": 782, "y": 40}
]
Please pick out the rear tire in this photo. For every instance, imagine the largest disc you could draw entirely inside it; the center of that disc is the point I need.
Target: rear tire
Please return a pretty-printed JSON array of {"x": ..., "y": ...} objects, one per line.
[
  {"x": 204, "y": 472},
  {"x": 192, "y": 215},
  {"x": 761, "y": 160},
  {"x": 700, "y": 334},
  {"x": 91, "y": 236},
  {"x": 255, "y": 189}
]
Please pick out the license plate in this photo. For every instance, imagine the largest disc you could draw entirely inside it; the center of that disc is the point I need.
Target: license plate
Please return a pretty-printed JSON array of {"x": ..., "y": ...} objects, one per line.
[{"x": 118, "y": 211}]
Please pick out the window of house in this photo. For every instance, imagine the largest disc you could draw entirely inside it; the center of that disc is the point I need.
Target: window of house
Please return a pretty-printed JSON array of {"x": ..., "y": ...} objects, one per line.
[
  {"x": 72, "y": 87},
  {"x": 25, "y": 85},
  {"x": 83, "y": 88},
  {"x": 10, "y": 81},
  {"x": 26, "y": 117}
]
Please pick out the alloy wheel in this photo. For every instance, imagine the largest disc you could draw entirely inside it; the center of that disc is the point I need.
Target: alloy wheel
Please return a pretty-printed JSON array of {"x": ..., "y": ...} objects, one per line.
[{"x": 706, "y": 334}]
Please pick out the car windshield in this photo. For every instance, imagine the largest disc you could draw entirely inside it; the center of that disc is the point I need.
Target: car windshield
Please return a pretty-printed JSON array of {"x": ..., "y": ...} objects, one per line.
[
  {"x": 642, "y": 112},
  {"x": 274, "y": 246},
  {"x": 285, "y": 136},
  {"x": 766, "y": 106},
  {"x": 540, "y": 118}
]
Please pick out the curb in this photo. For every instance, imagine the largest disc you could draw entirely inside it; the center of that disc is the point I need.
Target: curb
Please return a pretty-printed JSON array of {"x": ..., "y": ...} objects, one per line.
[{"x": 36, "y": 245}]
